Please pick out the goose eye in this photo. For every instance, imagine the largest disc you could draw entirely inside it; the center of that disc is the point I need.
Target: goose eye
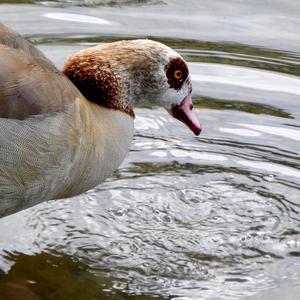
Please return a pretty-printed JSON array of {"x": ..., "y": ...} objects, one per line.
[{"x": 177, "y": 74}]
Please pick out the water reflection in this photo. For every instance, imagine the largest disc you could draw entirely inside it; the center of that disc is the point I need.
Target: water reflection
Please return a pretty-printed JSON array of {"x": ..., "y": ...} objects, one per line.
[
  {"x": 209, "y": 217},
  {"x": 76, "y": 18},
  {"x": 34, "y": 278},
  {"x": 246, "y": 78},
  {"x": 92, "y": 3}
]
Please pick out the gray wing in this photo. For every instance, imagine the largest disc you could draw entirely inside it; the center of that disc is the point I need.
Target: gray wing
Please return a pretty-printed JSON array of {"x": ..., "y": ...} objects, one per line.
[
  {"x": 30, "y": 84},
  {"x": 14, "y": 40}
]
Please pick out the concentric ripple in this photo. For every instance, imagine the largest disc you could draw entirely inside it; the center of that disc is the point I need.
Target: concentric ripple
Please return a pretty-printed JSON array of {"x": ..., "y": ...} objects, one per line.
[{"x": 183, "y": 216}]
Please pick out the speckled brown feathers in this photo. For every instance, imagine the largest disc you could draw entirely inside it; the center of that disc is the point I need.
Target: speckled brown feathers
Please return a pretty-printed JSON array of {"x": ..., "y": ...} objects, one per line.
[
  {"x": 96, "y": 81},
  {"x": 119, "y": 74}
]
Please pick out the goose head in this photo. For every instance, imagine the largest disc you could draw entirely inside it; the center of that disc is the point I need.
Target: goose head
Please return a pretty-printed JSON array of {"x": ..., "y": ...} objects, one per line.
[{"x": 120, "y": 74}]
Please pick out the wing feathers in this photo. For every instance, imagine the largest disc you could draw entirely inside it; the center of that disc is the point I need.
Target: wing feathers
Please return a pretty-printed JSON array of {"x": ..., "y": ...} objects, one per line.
[{"x": 29, "y": 83}]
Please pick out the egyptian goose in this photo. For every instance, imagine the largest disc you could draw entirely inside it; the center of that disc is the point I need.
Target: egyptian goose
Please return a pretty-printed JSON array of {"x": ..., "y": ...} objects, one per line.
[{"x": 63, "y": 133}]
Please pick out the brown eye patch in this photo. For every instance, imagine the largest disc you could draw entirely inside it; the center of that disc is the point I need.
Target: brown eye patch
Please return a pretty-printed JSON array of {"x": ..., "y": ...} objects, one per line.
[{"x": 177, "y": 72}]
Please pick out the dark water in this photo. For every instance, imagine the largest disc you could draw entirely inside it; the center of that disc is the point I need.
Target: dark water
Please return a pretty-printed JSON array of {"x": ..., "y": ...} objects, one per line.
[{"x": 209, "y": 217}]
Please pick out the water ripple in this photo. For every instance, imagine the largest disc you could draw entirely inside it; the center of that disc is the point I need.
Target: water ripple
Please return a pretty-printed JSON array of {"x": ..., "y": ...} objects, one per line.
[{"x": 209, "y": 217}]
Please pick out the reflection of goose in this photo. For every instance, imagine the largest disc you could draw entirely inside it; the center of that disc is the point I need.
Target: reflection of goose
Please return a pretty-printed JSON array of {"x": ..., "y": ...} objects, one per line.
[{"x": 58, "y": 141}]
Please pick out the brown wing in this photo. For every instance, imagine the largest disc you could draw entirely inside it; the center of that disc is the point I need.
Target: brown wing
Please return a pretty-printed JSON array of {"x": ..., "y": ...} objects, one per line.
[{"x": 30, "y": 84}]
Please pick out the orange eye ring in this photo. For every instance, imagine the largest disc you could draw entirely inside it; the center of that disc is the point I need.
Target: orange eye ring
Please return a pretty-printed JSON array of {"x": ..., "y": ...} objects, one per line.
[{"x": 177, "y": 74}]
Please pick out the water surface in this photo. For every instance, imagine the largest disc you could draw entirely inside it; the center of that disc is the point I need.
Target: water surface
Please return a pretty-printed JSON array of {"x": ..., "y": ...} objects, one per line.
[{"x": 185, "y": 217}]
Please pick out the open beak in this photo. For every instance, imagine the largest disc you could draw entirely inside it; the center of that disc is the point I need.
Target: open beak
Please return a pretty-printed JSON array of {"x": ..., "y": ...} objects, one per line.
[{"x": 184, "y": 113}]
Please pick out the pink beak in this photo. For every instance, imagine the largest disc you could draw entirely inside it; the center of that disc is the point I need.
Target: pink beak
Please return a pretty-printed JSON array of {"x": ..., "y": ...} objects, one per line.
[{"x": 184, "y": 113}]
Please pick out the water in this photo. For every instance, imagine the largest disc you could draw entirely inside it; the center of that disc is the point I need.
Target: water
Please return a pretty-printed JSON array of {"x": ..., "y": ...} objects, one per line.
[{"x": 185, "y": 217}]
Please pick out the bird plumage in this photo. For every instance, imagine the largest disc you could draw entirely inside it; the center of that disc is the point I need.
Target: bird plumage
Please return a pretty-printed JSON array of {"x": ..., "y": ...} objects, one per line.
[
  {"x": 52, "y": 144},
  {"x": 62, "y": 133}
]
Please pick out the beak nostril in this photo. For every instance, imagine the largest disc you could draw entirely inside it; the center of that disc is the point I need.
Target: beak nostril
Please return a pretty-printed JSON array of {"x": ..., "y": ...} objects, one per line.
[{"x": 191, "y": 106}]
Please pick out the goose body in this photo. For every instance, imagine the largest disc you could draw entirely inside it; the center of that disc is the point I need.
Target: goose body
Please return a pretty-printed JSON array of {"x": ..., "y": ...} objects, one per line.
[
  {"x": 63, "y": 133},
  {"x": 39, "y": 162}
]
